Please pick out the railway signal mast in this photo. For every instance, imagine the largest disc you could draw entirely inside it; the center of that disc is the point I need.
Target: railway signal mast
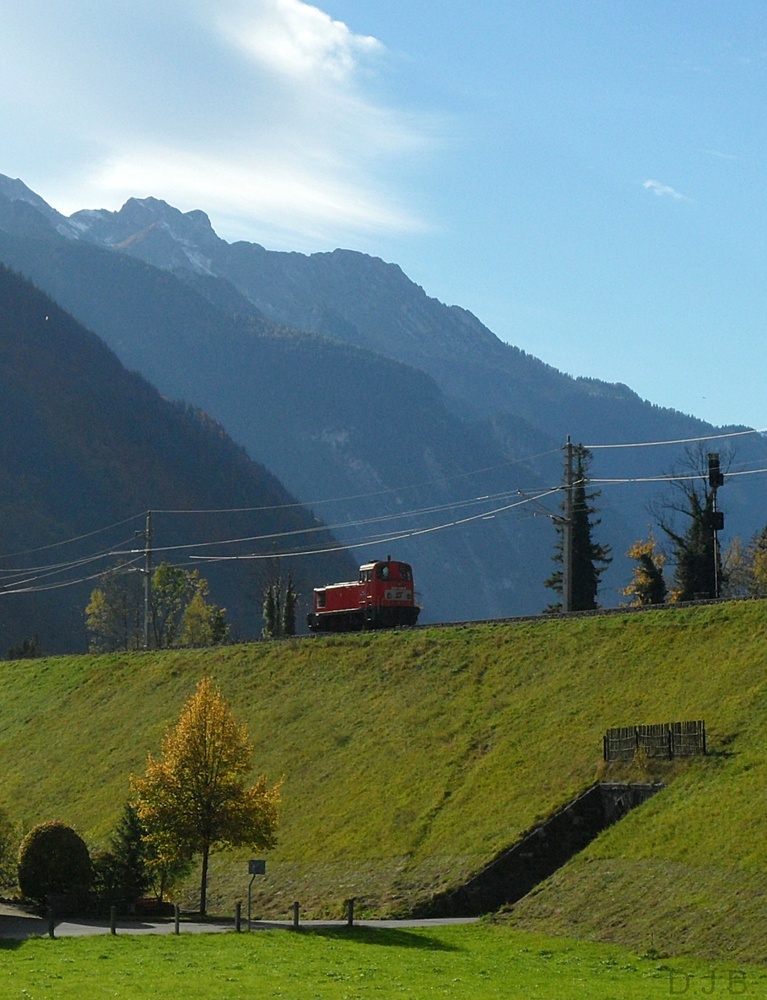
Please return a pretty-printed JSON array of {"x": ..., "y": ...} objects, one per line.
[
  {"x": 567, "y": 531},
  {"x": 715, "y": 480}
]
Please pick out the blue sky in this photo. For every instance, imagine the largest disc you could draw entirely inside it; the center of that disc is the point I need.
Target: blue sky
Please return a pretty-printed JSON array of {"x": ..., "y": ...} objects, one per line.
[{"x": 586, "y": 176}]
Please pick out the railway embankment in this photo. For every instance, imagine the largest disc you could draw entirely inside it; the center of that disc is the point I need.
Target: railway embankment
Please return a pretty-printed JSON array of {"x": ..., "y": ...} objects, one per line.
[{"x": 413, "y": 760}]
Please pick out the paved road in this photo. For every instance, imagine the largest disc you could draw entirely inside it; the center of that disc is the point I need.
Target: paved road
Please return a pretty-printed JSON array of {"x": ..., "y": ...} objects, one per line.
[{"x": 15, "y": 924}]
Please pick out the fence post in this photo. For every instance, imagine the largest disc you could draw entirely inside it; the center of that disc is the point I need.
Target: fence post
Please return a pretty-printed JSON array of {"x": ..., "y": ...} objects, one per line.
[
  {"x": 238, "y": 916},
  {"x": 350, "y": 912},
  {"x": 112, "y": 919},
  {"x": 51, "y": 923},
  {"x": 296, "y": 907},
  {"x": 176, "y": 918}
]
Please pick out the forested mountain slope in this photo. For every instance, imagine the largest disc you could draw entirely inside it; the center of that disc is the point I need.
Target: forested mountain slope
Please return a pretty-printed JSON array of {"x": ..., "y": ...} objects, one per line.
[{"x": 86, "y": 445}]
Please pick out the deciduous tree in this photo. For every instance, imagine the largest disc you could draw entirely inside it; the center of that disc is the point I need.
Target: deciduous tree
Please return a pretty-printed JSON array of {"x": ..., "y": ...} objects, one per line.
[
  {"x": 180, "y": 614},
  {"x": 746, "y": 567},
  {"x": 279, "y": 609},
  {"x": 648, "y": 585},
  {"x": 203, "y": 624},
  {"x": 172, "y": 590},
  {"x": 113, "y": 614},
  {"x": 194, "y": 797},
  {"x": 698, "y": 569}
]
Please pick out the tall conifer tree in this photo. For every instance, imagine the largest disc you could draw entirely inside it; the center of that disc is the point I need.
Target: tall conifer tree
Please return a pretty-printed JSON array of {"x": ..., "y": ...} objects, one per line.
[{"x": 589, "y": 558}]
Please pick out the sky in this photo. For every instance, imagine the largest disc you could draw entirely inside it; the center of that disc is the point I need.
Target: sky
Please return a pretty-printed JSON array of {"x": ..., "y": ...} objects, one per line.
[{"x": 586, "y": 176}]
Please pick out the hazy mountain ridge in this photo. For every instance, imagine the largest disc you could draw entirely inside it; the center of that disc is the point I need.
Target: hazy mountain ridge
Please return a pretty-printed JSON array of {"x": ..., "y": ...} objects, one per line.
[
  {"x": 362, "y": 300},
  {"x": 352, "y": 297},
  {"x": 388, "y": 397}
]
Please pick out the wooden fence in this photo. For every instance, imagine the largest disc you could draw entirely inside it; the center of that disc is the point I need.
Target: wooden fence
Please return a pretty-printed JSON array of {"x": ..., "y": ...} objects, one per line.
[{"x": 666, "y": 739}]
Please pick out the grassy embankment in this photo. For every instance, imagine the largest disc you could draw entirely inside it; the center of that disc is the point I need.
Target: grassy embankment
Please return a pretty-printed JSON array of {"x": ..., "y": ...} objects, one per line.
[{"x": 411, "y": 759}]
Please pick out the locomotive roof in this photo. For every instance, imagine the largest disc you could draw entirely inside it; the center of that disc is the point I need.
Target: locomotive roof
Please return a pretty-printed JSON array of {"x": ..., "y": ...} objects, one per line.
[
  {"x": 364, "y": 566},
  {"x": 376, "y": 562}
]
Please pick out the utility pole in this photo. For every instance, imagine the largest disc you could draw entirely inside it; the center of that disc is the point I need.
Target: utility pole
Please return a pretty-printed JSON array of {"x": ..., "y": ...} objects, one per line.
[
  {"x": 567, "y": 531},
  {"x": 147, "y": 576}
]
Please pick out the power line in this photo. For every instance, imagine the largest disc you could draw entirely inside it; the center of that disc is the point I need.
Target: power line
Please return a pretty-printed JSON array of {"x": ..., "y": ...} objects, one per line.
[
  {"x": 332, "y": 528},
  {"x": 54, "y": 586},
  {"x": 37, "y": 573},
  {"x": 692, "y": 440},
  {"x": 671, "y": 478},
  {"x": 69, "y": 541},
  {"x": 52, "y": 568},
  {"x": 364, "y": 496},
  {"x": 377, "y": 540}
]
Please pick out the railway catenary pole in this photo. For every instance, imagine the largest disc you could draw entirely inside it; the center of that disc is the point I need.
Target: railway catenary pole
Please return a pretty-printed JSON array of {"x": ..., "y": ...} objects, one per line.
[
  {"x": 147, "y": 576},
  {"x": 567, "y": 531}
]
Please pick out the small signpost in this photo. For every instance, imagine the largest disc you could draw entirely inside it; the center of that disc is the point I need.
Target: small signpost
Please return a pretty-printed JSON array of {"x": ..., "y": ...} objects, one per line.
[{"x": 255, "y": 867}]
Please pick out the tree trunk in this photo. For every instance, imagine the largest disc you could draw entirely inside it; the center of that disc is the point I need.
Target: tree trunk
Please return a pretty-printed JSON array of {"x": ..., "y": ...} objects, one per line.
[{"x": 204, "y": 881}]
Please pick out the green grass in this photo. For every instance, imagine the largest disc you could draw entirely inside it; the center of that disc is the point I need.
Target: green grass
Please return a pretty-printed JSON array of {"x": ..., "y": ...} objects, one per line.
[
  {"x": 480, "y": 962},
  {"x": 411, "y": 759}
]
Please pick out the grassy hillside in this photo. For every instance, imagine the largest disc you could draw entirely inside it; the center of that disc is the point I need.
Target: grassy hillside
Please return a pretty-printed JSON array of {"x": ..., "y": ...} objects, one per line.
[{"x": 411, "y": 759}]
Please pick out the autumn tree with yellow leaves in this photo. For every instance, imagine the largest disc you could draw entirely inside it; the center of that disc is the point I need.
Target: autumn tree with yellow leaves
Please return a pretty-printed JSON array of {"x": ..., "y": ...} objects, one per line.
[
  {"x": 746, "y": 567},
  {"x": 194, "y": 798},
  {"x": 647, "y": 584}
]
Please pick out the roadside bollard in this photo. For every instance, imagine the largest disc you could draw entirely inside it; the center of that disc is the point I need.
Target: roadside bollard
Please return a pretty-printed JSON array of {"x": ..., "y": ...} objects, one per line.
[
  {"x": 51, "y": 923},
  {"x": 176, "y": 918},
  {"x": 296, "y": 908},
  {"x": 238, "y": 916},
  {"x": 112, "y": 919},
  {"x": 350, "y": 912}
]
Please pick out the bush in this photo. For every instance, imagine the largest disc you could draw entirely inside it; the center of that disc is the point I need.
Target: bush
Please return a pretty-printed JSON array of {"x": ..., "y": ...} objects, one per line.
[{"x": 55, "y": 867}]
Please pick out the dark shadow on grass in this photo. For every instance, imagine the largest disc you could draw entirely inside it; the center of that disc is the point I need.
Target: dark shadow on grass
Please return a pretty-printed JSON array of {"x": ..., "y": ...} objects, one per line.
[
  {"x": 10, "y": 944},
  {"x": 384, "y": 936}
]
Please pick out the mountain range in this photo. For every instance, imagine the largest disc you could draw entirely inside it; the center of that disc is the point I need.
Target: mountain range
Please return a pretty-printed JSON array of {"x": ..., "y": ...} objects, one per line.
[{"x": 404, "y": 423}]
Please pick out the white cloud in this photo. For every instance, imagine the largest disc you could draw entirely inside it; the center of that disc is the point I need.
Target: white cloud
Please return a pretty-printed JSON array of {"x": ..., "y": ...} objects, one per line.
[
  {"x": 269, "y": 114},
  {"x": 298, "y": 39},
  {"x": 663, "y": 190},
  {"x": 275, "y": 202},
  {"x": 721, "y": 156}
]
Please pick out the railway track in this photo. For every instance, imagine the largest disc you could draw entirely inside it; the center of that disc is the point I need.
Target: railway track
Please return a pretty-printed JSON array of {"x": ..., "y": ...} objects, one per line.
[{"x": 552, "y": 616}]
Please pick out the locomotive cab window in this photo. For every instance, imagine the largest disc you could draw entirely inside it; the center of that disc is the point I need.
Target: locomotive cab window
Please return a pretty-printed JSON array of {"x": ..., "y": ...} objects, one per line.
[
  {"x": 383, "y": 572},
  {"x": 366, "y": 575},
  {"x": 321, "y": 598}
]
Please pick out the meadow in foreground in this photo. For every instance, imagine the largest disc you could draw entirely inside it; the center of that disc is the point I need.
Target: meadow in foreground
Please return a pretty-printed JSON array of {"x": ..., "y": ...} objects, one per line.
[{"x": 480, "y": 961}]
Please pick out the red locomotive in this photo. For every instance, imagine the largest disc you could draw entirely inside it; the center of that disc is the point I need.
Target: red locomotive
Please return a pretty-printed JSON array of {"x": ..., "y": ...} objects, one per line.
[{"x": 383, "y": 597}]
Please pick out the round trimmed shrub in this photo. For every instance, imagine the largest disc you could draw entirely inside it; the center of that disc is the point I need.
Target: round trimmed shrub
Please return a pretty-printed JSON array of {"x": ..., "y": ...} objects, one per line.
[{"x": 55, "y": 866}]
